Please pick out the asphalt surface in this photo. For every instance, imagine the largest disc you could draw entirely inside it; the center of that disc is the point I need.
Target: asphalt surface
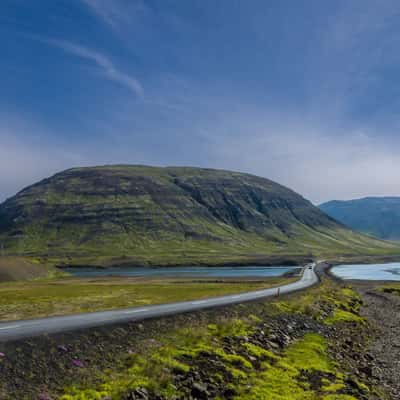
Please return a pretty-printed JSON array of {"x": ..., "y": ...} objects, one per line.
[{"x": 29, "y": 328}]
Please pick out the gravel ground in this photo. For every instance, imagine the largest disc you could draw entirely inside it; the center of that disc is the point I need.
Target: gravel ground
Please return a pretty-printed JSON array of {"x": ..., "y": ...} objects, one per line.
[{"x": 383, "y": 312}]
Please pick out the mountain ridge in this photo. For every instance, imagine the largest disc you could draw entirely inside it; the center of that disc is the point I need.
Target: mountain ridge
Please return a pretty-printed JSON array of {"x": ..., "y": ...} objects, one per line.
[
  {"x": 373, "y": 215},
  {"x": 144, "y": 215}
]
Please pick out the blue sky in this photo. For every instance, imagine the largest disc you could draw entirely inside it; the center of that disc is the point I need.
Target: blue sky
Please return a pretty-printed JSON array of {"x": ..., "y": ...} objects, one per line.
[{"x": 306, "y": 93}]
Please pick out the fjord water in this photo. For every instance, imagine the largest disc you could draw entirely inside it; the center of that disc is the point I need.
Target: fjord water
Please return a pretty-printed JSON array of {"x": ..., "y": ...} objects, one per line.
[
  {"x": 189, "y": 272},
  {"x": 381, "y": 272}
]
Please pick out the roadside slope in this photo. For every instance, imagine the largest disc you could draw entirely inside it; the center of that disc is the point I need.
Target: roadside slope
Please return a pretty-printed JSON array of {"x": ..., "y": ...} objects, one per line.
[{"x": 18, "y": 268}]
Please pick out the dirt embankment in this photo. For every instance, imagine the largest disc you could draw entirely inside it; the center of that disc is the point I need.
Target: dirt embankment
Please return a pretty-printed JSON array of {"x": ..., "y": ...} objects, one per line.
[
  {"x": 383, "y": 312},
  {"x": 18, "y": 268}
]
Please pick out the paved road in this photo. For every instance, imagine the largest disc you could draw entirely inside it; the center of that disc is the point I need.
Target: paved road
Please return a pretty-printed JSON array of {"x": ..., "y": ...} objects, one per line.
[{"x": 35, "y": 327}]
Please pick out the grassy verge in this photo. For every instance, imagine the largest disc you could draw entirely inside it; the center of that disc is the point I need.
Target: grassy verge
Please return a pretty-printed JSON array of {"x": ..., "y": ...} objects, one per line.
[
  {"x": 393, "y": 288},
  {"x": 302, "y": 348},
  {"x": 39, "y": 298}
]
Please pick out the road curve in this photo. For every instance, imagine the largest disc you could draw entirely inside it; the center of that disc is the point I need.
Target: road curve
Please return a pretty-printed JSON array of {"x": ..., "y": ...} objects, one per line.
[{"x": 15, "y": 330}]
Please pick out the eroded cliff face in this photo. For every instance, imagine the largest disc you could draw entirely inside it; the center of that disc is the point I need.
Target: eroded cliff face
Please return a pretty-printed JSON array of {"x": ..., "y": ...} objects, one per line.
[{"x": 140, "y": 211}]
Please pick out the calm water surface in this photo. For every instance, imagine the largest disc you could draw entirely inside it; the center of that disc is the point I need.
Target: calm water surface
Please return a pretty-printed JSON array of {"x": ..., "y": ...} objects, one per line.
[
  {"x": 199, "y": 272},
  {"x": 387, "y": 272}
]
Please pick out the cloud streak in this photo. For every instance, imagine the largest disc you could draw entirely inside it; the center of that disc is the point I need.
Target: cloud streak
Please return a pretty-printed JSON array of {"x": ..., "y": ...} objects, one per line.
[
  {"x": 117, "y": 14},
  {"x": 107, "y": 67},
  {"x": 108, "y": 11}
]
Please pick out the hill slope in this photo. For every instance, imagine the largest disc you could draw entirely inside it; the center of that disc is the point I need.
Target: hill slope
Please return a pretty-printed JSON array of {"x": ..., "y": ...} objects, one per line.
[
  {"x": 148, "y": 215},
  {"x": 378, "y": 216}
]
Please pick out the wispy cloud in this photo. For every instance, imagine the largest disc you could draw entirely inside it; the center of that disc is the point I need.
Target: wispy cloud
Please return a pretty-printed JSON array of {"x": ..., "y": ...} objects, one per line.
[
  {"x": 117, "y": 14},
  {"x": 107, "y": 67},
  {"x": 108, "y": 11}
]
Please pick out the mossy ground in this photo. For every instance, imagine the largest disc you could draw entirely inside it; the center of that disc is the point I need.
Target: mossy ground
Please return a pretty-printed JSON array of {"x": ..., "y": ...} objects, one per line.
[
  {"x": 48, "y": 297},
  {"x": 281, "y": 378},
  {"x": 229, "y": 353}
]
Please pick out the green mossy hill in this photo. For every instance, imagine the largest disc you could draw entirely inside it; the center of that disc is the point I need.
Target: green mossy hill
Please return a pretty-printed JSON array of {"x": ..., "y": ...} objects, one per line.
[{"x": 149, "y": 215}]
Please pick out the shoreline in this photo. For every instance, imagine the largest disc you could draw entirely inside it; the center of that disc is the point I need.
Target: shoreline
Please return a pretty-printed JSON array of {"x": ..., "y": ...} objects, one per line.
[
  {"x": 257, "y": 261},
  {"x": 336, "y": 278}
]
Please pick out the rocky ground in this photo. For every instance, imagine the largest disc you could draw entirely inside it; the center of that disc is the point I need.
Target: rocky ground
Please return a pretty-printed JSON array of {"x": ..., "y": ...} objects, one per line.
[
  {"x": 199, "y": 383},
  {"x": 383, "y": 313}
]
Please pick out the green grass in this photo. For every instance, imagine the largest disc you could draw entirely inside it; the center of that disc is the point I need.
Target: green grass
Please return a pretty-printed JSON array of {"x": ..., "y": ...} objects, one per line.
[
  {"x": 131, "y": 247},
  {"x": 327, "y": 304},
  {"x": 343, "y": 316},
  {"x": 20, "y": 300}
]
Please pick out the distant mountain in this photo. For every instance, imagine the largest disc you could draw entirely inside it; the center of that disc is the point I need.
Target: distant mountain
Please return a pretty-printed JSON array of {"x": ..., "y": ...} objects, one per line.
[
  {"x": 160, "y": 216},
  {"x": 378, "y": 216}
]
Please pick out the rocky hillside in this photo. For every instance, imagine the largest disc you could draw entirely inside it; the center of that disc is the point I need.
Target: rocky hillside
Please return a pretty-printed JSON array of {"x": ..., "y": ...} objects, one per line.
[
  {"x": 147, "y": 215},
  {"x": 377, "y": 216}
]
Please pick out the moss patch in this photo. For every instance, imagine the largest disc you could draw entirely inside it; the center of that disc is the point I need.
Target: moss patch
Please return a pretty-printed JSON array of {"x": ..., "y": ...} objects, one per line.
[
  {"x": 328, "y": 304},
  {"x": 289, "y": 375},
  {"x": 393, "y": 288}
]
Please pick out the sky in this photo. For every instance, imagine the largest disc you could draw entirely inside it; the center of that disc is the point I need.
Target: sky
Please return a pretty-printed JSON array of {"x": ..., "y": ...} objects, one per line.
[{"x": 303, "y": 92}]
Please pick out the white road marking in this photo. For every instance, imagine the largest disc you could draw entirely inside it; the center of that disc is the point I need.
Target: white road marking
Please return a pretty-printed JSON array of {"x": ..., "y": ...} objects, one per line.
[
  {"x": 198, "y": 302},
  {"x": 10, "y": 327},
  {"x": 136, "y": 311}
]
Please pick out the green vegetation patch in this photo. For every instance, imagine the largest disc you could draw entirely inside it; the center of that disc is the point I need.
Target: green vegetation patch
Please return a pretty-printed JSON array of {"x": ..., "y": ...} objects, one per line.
[
  {"x": 327, "y": 304},
  {"x": 289, "y": 376},
  {"x": 393, "y": 288}
]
